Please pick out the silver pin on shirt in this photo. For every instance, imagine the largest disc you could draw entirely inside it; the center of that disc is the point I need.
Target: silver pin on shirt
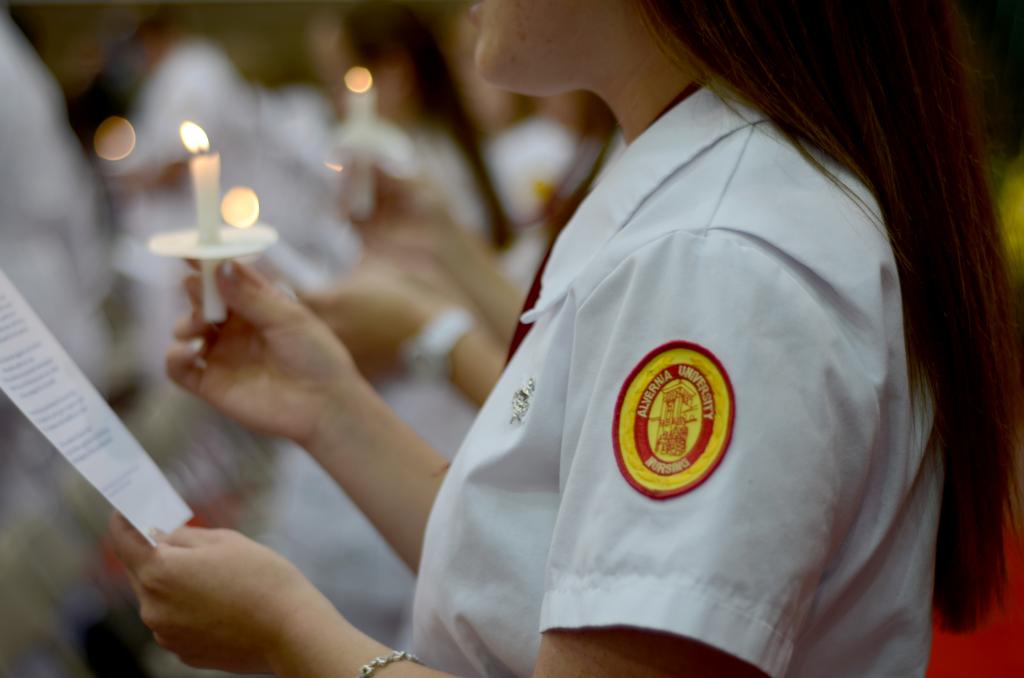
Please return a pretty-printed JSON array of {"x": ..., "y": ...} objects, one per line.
[{"x": 521, "y": 401}]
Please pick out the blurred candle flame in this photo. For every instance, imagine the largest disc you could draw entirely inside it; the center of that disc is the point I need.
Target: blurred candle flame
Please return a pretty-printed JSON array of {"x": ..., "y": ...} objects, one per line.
[
  {"x": 194, "y": 138},
  {"x": 240, "y": 207},
  {"x": 358, "y": 79},
  {"x": 114, "y": 139}
]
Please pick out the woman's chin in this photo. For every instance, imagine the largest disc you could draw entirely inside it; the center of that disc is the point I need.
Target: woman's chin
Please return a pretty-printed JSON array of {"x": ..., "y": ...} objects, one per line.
[
  {"x": 488, "y": 63},
  {"x": 500, "y": 72}
]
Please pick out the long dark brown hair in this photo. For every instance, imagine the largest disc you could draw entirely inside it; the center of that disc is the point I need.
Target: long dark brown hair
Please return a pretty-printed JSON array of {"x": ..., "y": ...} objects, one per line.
[{"x": 882, "y": 87}]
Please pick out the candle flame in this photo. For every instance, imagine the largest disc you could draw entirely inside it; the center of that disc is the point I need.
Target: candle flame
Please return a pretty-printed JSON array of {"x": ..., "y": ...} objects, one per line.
[
  {"x": 194, "y": 138},
  {"x": 358, "y": 79},
  {"x": 240, "y": 207},
  {"x": 114, "y": 139},
  {"x": 333, "y": 166}
]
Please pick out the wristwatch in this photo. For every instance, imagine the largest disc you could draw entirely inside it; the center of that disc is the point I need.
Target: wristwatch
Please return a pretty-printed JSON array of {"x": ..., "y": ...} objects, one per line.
[{"x": 427, "y": 355}]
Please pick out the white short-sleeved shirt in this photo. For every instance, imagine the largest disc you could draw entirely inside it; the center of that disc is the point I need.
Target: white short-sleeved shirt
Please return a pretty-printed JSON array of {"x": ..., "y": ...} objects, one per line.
[{"x": 719, "y": 442}]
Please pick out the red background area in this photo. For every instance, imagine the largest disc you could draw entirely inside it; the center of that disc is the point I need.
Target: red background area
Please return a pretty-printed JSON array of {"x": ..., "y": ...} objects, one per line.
[{"x": 997, "y": 649}]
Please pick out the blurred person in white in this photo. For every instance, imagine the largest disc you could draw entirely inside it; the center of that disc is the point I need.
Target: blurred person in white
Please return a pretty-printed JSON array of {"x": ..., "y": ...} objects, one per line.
[
  {"x": 415, "y": 90},
  {"x": 51, "y": 247}
]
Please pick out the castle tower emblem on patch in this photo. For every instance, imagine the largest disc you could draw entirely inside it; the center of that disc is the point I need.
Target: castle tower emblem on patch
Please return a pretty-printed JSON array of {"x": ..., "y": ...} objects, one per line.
[
  {"x": 678, "y": 409},
  {"x": 673, "y": 420}
]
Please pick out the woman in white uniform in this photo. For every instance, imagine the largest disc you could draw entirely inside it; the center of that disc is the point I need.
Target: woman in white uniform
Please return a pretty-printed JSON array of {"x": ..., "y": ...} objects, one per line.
[{"x": 766, "y": 412}]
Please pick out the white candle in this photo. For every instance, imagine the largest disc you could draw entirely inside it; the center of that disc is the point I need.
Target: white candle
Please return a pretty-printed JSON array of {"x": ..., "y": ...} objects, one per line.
[
  {"x": 361, "y": 110},
  {"x": 204, "y": 168},
  {"x": 361, "y": 106},
  {"x": 205, "y": 171}
]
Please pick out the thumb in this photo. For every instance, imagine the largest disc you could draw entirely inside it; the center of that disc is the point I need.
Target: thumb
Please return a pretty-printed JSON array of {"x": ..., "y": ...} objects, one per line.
[
  {"x": 251, "y": 296},
  {"x": 191, "y": 537}
]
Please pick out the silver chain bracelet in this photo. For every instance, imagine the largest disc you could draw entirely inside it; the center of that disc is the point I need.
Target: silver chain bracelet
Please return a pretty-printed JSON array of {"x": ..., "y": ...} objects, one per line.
[{"x": 382, "y": 661}]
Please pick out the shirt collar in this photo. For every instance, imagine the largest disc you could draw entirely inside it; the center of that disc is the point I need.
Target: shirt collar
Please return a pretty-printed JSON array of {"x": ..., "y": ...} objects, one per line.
[{"x": 670, "y": 143}]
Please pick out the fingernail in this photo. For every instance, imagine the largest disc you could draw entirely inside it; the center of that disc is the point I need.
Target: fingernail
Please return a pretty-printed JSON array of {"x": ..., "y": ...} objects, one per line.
[
  {"x": 157, "y": 535},
  {"x": 197, "y": 345},
  {"x": 227, "y": 269},
  {"x": 287, "y": 289}
]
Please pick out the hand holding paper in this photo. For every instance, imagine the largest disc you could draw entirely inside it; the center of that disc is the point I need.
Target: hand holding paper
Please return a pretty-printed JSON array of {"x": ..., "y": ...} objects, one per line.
[{"x": 216, "y": 598}]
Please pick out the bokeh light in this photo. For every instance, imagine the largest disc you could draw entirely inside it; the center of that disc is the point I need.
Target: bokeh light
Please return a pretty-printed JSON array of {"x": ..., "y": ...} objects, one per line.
[
  {"x": 358, "y": 79},
  {"x": 240, "y": 207},
  {"x": 114, "y": 139}
]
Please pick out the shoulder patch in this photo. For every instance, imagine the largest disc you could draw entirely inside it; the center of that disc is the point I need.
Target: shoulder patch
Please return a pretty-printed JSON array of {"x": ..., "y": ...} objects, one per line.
[{"x": 673, "y": 420}]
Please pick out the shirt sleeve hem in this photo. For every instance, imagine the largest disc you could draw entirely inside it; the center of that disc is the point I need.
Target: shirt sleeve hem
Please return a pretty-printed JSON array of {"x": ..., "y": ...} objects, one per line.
[{"x": 687, "y": 611}]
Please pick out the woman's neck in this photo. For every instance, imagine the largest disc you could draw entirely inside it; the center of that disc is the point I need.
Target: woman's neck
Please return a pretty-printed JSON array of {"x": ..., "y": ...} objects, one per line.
[
  {"x": 637, "y": 102},
  {"x": 639, "y": 80}
]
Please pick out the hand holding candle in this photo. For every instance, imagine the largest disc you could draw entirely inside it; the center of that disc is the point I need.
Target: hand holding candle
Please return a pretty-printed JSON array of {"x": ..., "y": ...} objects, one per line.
[
  {"x": 207, "y": 242},
  {"x": 366, "y": 142}
]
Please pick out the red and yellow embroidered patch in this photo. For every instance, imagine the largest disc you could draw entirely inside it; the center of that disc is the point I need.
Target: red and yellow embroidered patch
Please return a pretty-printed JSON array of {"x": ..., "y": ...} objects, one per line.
[{"x": 673, "y": 420}]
